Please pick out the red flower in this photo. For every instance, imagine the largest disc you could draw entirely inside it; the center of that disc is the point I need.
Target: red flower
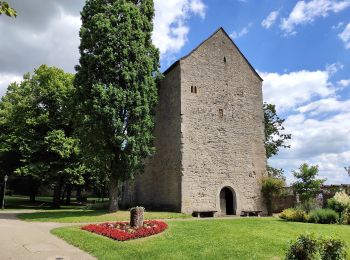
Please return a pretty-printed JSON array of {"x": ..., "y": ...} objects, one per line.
[{"x": 122, "y": 231}]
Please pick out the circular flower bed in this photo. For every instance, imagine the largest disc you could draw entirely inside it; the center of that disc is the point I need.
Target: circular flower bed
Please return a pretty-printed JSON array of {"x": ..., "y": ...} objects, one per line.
[{"x": 122, "y": 231}]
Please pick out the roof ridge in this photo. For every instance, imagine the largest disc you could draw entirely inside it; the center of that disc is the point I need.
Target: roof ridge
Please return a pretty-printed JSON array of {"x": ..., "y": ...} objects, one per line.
[{"x": 199, "y": 45}]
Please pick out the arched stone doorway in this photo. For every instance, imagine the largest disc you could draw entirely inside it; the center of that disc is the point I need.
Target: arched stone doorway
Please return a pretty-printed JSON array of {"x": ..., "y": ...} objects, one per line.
[{"x": 228, "y": 203}]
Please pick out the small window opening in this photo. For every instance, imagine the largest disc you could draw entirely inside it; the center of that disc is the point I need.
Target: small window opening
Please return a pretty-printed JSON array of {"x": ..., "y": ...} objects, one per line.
[
  {"x": 221, "y": 113},
  {"x": 225, "y": 59},
  {"x": 194, "y": 89}
]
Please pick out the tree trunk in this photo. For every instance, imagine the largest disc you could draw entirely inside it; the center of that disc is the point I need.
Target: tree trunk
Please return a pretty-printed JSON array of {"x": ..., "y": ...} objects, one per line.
[
  {"x": 63, "y": 195},
  {"x": 69, "y": 194},
  {"x": 104, "y": 191},
  {"x": 136, "y": 217},
  {"x": 57, "y": 194},
  {"x": 269, "y": 206},
  {"x": 34, "y": 189},
  {"x": 78, "y": 196},
  {"x": 113, "y": 194},
  {"x": 32, "y": 196},
  {"x": 1, "y": 194}
]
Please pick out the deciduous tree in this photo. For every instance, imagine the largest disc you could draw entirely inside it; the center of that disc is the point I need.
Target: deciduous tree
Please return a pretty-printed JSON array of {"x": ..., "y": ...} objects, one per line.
[
  {"x": 307, "y": 184},
  {"x": 36, "y": 116},
  {"x": 7, "y": 10},
  {"x": 275, "y": 138},
  {"x": 116, "y": 87},
  {"x": 271, "y": 187}
]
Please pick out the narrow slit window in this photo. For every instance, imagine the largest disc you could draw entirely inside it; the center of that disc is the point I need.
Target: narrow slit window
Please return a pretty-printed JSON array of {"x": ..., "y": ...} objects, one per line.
[
  {"x": 192, "y": 89},
  {"x": 221, "y": 113},
  {"x": 195, "y": 89},
  {"x": 224, "y": 59}
]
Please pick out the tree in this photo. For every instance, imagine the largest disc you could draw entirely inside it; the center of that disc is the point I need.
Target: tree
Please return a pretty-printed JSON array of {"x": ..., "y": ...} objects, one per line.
[
  {"x": 116, "y": 87},
  {"x": 36, "y": 116},
  {"x": 275, "y": 173},
  {"x": 7, "y": 10},
  {"x": 307, "y": 184},
  {"x": 274, "y": 136},
  {"x": 271, "y": 187}
]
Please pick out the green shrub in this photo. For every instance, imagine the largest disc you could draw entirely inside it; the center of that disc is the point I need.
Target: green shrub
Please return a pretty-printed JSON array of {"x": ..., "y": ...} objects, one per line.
[
  {"x": 304, "y": 248},
  {"x": 307, "y": 247},
  {"x": 323, "y": 216},
  {"x": 271, "y": 187},
  {"x": 308, "y": 205},
  {"x": 333, "y": 249},
  {"x": 292, "y": 214},
  {"x": 333, "y": 204},
  {"x": 344, "y": 217},
  {"x": 340, "y": 202}
]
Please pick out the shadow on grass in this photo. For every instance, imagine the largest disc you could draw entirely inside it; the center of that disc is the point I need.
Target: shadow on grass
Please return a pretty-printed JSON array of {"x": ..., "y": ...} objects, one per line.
[
  {"x": 76, "y": 213},
  {"x": 90, "y": 216},
  {"x": 19, "y": 203},
  {"x": 41, "y": 203},
  {"x": 54, "y": 215}
]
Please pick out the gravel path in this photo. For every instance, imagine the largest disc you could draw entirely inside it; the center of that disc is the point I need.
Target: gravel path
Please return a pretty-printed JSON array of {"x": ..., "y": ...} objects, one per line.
[{"x": 33, "y": 240}]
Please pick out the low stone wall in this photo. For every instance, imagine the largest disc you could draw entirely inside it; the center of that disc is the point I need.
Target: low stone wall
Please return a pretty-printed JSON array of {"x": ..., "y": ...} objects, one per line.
[
  {"x": 289, "y": 199},
  {"x": 283, "y": 202}
]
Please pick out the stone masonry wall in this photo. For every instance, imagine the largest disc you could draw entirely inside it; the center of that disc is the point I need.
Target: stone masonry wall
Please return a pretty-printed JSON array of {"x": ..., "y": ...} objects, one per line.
[
  {"x": 219, "y": 152},
  {"x": 159, "y": 186}
]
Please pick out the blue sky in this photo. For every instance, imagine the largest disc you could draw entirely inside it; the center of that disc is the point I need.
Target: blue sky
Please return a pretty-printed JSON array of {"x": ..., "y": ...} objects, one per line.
[
  {"x": 300, "y": 48},
  {"x": 314, "y": 45}
]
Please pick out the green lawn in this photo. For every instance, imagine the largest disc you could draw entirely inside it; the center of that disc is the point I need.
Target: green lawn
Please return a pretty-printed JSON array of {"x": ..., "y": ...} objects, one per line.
[
  {"x": 23, "y": 202},
  {"x": 74, "y": 213},
  {"x": 83, "y": 216},
  {"x": 252, "y": 238}
]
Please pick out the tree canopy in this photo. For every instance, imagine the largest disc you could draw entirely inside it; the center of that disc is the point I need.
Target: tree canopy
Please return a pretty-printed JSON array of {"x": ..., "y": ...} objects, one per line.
[
  {"x": 116, "y": 87},
  {"x": 36, "y": 123},
  {"x": 307, "y": 184},
  {"x": 271, "y": 187},
  {"x": 275, "y": 138},
  {"x": 7, "y": 10}
]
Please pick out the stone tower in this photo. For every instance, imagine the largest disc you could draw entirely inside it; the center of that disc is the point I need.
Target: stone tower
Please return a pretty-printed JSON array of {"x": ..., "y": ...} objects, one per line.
[{"x": 209, "y": 135}]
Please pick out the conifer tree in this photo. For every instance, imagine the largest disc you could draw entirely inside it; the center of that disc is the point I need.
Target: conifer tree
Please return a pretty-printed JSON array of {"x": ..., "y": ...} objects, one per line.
[{"x": 116, "y": 87}]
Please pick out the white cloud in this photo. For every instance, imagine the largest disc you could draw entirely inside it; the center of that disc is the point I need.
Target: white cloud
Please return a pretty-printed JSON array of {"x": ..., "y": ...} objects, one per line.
[
  {"x": 325, "y": 142},
  {"x": 345, "y": 36},
  {"x": 306, "y": 12},
  {"x": 317, "y": 119},
  {"x": 324, "y": 106},
  {"x": 287, "y": 91},
  {"x": 338, "y": 25},
  {"x": 198, "y": 7},
  {"x": 243, "y": 31},
  {"x": 334, "y": 67},
  {"x": 344, "y": 82},
  {"x": 27, "y": 47},
  {"x": 170, "y": 23},
  {"x": 51, "y": 36},
  {"x": 6, "y": 79},
  {"x": 270, "y": 19}
]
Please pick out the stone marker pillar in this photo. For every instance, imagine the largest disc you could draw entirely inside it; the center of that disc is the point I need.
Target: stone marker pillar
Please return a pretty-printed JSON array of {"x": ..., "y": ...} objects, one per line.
[{"x": 136, "y": 217}]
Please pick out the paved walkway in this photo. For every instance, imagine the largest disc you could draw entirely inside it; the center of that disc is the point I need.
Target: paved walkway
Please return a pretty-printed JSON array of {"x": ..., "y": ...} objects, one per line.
[{"x": 21, "y": 240}]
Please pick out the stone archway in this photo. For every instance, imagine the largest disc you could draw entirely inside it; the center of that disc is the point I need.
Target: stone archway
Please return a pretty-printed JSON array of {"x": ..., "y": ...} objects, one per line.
[{"x": 228, "y": 202}]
